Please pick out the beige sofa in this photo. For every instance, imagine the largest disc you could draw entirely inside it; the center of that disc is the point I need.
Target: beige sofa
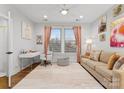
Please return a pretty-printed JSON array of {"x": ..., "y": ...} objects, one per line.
[{"x": 98, "y": 68}]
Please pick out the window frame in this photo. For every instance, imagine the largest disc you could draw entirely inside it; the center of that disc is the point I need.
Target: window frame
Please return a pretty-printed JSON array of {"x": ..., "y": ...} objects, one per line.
[
  {"x": 62, "y": 37},
  {"x": 65, "y": 39}
]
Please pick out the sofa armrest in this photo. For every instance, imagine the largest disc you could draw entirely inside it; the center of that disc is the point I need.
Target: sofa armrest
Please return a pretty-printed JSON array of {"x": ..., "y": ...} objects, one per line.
[{"x": 118, "y": 79}]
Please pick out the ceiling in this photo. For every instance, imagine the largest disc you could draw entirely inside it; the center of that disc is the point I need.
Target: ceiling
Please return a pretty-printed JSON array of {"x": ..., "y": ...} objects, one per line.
[{"x": 90, "y": 12}]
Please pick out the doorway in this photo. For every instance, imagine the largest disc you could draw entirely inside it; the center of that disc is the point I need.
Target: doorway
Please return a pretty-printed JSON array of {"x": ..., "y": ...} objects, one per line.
[
  {"x": 6, "y": 47},
  {"x": 3, "y": 47}
]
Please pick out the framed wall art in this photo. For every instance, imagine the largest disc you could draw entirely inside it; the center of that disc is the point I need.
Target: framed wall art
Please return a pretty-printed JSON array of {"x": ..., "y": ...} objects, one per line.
[
  {"x": 26, "y": 31},
  {"x": 117, "y": 33},
  {"x": 102, "y": 24},
  {"x": 39, "y": 39},
  {"x": 102, "y": 37},
  {"x": 117, "y": 10}
]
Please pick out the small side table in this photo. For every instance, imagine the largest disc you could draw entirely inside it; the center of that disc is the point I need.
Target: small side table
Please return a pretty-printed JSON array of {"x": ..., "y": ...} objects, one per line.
[{"x": 63, "y": 61}]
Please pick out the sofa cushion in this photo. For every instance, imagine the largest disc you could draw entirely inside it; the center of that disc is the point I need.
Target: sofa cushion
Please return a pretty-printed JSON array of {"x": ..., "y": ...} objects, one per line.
[
  {"x": 86, "y": 55},
  {"x": 119, "y": 63},
  {"x": 84, "y": 60},
  {"x": 112, "y": 61},
  {"x": 92, "y": 64},
  {"x": 95, "y": 54},
  {"x": 104, "y": 57},
  {"x": 106, "y": 73}
]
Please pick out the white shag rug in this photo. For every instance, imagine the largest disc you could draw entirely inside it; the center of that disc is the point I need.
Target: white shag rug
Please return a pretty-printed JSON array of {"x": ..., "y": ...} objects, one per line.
[{"x": 72, "y": 76}]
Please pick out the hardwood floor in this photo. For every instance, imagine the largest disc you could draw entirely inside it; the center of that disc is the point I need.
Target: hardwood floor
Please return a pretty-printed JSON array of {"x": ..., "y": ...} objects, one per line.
[
  {"x": 16, "y": 78},
  {"x": 3, "y": 82}
]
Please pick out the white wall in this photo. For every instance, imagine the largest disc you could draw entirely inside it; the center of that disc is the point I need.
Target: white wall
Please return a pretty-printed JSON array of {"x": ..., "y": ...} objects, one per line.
[
  {"x": 85, "y": 34},
  {"x": 105, "y": 45},
  {"x": 39, "y": 30},
  {"x": 3, "y": 45},
  {"x": 19, "y": 43}
]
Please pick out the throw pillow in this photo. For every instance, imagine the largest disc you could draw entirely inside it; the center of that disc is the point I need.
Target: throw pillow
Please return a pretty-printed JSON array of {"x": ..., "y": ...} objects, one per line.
[
  {"x": 92, "y": 54},
  {"x": 112, "y": 61},
  {"x": 104, "y": 57},
  {"x": 95, "y": 54},
  {"x": 119, "y": 63},
  {"x": 86, "y": 55}
]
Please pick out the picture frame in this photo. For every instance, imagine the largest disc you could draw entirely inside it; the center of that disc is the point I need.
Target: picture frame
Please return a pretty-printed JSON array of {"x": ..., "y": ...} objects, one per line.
[
  {"x": 117, "y": 33},
  {"x": 102, "y": 37},
  {"x": 102, "y": 24},
  {"x": 39, "y": 40},
  {"x": 117, "y": 10},
  {"x": 26, "y": 31}
]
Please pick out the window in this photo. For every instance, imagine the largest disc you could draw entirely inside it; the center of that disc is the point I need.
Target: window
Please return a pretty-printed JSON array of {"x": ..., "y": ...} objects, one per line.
[
  {"x": 55, "y": 41},
  {"x": 70, "y": 43},
  {"x": 62, "y": 40}
]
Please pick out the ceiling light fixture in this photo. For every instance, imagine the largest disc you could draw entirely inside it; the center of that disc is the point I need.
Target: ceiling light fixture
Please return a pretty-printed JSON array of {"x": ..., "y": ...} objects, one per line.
[
  {"x": 45, "y": 16},
  {"x": 64, "y": 11},
  {"x": 81, "y": 17}
]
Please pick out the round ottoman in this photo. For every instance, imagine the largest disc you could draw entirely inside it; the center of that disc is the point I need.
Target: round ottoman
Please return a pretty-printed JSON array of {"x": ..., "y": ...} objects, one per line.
[{"x": 63, "y": 61}]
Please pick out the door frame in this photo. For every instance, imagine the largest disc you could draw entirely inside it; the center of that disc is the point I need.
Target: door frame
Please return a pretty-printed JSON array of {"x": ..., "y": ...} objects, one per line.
[{"x": 10, "y": 44}]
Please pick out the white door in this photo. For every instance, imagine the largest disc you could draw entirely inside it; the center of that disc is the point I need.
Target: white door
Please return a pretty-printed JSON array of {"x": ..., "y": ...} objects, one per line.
[{"x": 3, "y": 47}]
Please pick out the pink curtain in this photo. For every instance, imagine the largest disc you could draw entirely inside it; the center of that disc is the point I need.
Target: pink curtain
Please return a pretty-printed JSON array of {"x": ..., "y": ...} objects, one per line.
[
  {"x": 47, "y": 34},
  {"x": 77, "y": 33}
]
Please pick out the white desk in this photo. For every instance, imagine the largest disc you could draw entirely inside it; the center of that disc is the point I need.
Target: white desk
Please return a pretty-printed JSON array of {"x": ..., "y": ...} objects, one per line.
[{"x": 28, "y": 56}]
